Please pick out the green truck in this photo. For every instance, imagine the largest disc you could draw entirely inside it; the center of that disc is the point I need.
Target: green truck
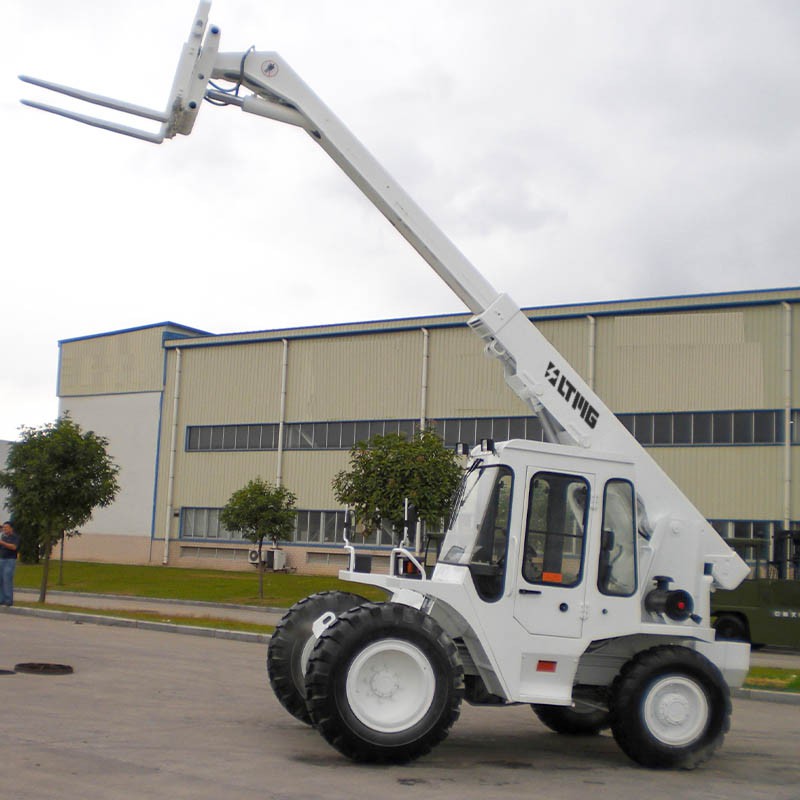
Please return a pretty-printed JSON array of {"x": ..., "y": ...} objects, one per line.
[{"x": 765, "y": 608}]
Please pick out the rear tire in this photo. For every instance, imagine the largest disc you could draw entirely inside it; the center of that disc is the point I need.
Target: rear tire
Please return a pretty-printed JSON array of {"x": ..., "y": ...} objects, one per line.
[
  {"x": 291, "y": 645},
  {"x": 731, "y": 628},
  {"x": 578, "y": 721},
  {"x": 384, "y": 683},
  {"x": 670, "y": 708}
]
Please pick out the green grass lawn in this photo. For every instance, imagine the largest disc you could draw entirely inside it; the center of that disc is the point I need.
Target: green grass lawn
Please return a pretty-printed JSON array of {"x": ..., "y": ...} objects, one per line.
[
  {"x": 773, "y": 679},
  {"x": 215, "y": 586},
  {"x": 152, "y": 616}
]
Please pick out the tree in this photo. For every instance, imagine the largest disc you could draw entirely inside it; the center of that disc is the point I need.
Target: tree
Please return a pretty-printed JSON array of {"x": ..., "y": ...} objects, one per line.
[
  {"x": 388, "y": 469},
  {"x": 29, "y": 551},
  {"x": 259, "y": 511},
  {"x": 56, "y": 476}
]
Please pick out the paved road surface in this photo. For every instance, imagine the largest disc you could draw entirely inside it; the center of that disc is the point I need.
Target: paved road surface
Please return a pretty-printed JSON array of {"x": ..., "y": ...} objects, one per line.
[
  {"x": 154, "y": 715},
  {"x": 767, "y": 657}
]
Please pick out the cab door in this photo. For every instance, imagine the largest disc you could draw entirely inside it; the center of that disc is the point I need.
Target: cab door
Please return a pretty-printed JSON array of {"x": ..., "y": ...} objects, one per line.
[{"x": 550, "y": 596}]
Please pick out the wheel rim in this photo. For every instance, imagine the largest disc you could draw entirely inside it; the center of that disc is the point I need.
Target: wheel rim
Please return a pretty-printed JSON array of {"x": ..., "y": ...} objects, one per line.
[
  {"x": 390, "y": 685},
  {"x": 676, "y": 710}
]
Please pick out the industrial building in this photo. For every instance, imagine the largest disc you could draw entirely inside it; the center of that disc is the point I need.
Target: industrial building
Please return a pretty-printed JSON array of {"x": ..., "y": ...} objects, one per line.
[{"x": 709, "y": 384}]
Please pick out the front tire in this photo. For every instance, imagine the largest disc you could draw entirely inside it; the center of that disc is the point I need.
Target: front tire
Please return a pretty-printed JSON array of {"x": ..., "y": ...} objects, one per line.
[
  {"x": 384, "y": 683},
  {"x": 670, "y": 708},
  {"x": 292, "y": 642}
]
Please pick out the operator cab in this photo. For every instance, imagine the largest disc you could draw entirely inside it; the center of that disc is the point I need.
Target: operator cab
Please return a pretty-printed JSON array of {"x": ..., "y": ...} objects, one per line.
[{"x": 550, "y": 527}]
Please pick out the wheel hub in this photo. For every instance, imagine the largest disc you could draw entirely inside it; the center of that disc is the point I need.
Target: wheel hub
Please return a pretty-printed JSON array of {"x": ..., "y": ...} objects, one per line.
[
  {"x": 390, "y": 685},
  {"x": 384, "y": 683},
  {"x": 676, "y": 710},
  {"x": 673, "y": 709}
]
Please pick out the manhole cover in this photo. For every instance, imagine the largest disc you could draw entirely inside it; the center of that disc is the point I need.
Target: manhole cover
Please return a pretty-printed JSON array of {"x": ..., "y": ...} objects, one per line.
[{"x": 44, "y": 669}]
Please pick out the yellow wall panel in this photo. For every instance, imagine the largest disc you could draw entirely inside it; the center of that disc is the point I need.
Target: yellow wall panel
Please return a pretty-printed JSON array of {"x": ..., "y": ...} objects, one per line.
[
  {"x": 355, "y": 377},
  {"x": 463, "y": 381},
  {"x": 123, "y": 362},
  {"x": 239, "y": 383},
  {"x": 727, "y": 482}
]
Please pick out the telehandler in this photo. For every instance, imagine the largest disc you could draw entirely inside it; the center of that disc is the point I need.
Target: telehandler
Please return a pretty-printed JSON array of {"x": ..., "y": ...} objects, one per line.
[{"x": 574, "y": 575}]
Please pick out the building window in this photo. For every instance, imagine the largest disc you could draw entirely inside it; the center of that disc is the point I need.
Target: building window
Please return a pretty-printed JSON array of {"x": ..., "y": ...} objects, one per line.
[
  {"x": 663, "y": 428},
  {"x": 701, "y": 428},
  {"x": 203, "y": 523},
  {"x": 335, "y": 435},
  {"x": 706, "y": 427},
  {"x": 643, "y": 428},
  {"x": 470, "y": 430},
  {"x": 327, "y": 527},
  {"x": 743, "y": 427},
  {"x": 767, "y": 427},
  {"x": 753, "y": 540},
  {"x": 627, "y": 421},
  {"x": 684, "y": 428},
  {"x": 312, "y": 527},
  {"x": 723, "y": 427}
]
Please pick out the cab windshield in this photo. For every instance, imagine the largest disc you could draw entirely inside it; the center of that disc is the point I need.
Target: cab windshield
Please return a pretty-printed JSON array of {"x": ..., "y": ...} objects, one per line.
[{"x": 478, "y": 533}]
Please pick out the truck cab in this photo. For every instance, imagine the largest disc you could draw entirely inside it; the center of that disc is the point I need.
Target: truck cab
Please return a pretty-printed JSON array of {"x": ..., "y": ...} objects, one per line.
[{"x": 765, "y": 608}]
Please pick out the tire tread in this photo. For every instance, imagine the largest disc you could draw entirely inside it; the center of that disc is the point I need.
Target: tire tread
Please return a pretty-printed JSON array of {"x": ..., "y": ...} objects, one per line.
[
  {"x": 282, "y": 652},
  {"x": 340, "y": 642}
]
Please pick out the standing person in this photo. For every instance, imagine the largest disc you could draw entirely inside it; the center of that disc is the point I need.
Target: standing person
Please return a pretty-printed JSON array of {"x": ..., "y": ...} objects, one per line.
[{"x": 9, "y": 544}]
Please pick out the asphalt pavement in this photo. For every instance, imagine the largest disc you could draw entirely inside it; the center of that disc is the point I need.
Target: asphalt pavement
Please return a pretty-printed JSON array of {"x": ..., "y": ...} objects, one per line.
[
  {"x": 148, "y": 715},
  {"x": 766, "y": 657}
]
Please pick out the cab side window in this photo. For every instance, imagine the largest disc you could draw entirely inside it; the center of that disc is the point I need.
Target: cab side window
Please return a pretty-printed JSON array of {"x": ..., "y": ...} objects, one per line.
[
  {"x": 555, "y": 528},
  {"x": 617, "y": 568}
]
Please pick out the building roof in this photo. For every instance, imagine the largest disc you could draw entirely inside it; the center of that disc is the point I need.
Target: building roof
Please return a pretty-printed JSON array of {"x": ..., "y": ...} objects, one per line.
[{"x": 649, "y": 305}]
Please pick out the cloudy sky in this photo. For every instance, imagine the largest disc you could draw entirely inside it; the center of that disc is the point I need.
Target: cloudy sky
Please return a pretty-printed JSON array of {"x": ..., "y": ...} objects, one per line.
[{"x": 574, "y": 151}]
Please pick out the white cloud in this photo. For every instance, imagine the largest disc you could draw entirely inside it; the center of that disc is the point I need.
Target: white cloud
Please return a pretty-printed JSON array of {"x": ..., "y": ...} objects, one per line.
[{"x": 574, "y": 151}]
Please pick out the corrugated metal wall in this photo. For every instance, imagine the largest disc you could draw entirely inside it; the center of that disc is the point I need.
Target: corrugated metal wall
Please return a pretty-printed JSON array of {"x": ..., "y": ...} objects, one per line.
[
  {"x": 462, "y": 381},
  {"x": 354, "y": 377},
  {"x": 240, "y": 383},
  {"x": 129, "y": 361},
  {"x": 795, "y": 326},
  {"x": 648, "y": 357},
  {"x": 683, "y": 362},
  {"x": 571, "y": 338},
  {"x": 727, "y": 482}
]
